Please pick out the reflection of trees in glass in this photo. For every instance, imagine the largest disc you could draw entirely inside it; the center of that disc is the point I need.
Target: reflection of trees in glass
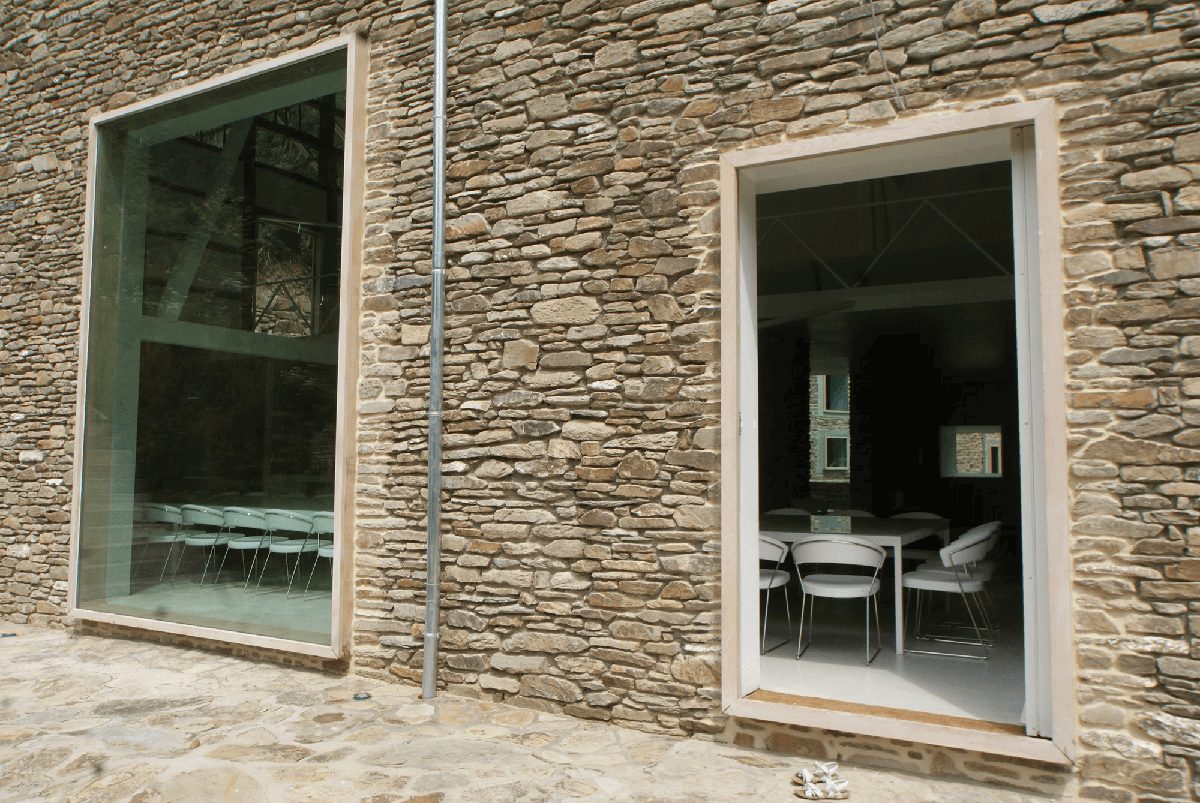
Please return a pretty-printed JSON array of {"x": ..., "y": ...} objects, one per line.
[{"x": 283, "y": 294}]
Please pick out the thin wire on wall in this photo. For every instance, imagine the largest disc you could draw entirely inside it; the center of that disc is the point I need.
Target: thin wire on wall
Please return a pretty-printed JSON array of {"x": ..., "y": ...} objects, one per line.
[{"x": 883, "y": 59}]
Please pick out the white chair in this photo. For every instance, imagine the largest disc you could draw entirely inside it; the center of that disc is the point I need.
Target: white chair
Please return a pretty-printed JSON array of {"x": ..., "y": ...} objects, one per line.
[
  {"x": 919, "y": 554},
  {"x": 202, "y": 516},
  {"x": 773, "y": 551},
  {"x": 955, "y": 577},
  {"x": 242, "y": 518},
  {"x": 322, "y": 524},
  {"x": 842, "y": 550},
  {"x": 153, "y": 515},
  {"x": 288, "y": 521},
  {"x": 980, "y": 569},
  {"x": 789, "y": 511},
  {"x": 866, "y": 514}
]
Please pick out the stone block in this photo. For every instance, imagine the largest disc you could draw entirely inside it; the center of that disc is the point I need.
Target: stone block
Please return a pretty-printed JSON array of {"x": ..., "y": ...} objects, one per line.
[
  {"x": 1107, "y": 26},
  {"x": 616, "y": 54},
  {"x": 573, "y": 310},
  {"x": 1187, "y": 147},
  {"x": 1174, "y": 263},
  {"x": 520, "y": 354},
  {"x": 1128, "y": 48},
  {"x": 552, "y": 643}
]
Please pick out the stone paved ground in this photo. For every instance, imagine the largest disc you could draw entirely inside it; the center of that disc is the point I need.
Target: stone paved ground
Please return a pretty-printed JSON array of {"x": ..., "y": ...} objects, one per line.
[{"x": 92, "y": 720}]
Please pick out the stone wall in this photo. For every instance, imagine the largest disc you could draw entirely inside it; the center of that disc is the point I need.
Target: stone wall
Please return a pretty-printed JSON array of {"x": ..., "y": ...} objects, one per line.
[{"x": 583, "y": 372}]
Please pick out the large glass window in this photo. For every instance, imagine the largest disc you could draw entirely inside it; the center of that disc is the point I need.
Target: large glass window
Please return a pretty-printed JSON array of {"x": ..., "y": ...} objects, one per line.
[{"x": 212, "y": 361}]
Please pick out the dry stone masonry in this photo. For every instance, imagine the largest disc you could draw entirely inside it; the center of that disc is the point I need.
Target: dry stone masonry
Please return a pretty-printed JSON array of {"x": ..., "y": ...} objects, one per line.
[{"x": 582, "y": 445}]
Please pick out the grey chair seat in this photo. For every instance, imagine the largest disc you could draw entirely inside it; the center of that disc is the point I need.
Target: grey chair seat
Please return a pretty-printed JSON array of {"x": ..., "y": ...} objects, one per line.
[
  {"x": 942, "y": 581},
  {"x": 771, "y": 578},
  {"x": 839, "y": 586}
]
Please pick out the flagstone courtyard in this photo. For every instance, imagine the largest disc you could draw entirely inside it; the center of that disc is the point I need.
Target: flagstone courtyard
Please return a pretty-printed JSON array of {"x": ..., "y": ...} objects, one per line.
[{"x": 101, "y": 720}]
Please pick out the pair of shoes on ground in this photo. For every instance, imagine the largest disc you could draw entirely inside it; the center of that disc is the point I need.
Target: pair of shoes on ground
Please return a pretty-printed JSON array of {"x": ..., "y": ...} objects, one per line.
[{"x": 821, "y": 783}]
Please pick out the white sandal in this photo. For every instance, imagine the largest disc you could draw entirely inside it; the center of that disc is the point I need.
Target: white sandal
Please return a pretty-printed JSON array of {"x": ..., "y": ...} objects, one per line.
[
  {"x": 826, "y": 772},
  {"x": 833, "y": 790}
]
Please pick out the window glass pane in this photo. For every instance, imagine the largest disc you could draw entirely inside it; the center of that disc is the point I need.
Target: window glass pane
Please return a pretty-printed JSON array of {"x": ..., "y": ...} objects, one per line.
[
  {"x": 837, "y": 392},
  {"x": 837, "y": 453},
  {"x": 211, "y": 397}
]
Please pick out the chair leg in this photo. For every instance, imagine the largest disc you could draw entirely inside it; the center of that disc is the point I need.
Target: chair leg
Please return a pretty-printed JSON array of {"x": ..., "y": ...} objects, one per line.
[
  {"x": 878, "y": 638},
  {"x": 264, "y": 569},
  {"x": 762, "y": 648},
  {"x": 878, "y": 632},
  {"x": 787, "y": 606},
  {"x": 217, "y": 577},
  {"x": 250, "y": 574},
  {"x": 978, "y": 634},
  {"x": 141, "y": 557},
  {"x": 212, "y": 551},
  {"x": 167, "y": 561},
  {"x": 292, "y": 576},
  {"x": 800, "y": 645},
  {"x": 311, "y": 572}
]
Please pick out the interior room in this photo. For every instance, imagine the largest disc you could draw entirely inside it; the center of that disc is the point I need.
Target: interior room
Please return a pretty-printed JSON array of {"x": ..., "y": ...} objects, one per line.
[
  {"x": 888, "y": 388},
  {"x": 209, "y": 461}
]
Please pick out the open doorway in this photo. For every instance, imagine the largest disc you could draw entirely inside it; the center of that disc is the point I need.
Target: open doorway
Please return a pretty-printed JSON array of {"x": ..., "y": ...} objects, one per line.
[{"x": 888, "y": 388}]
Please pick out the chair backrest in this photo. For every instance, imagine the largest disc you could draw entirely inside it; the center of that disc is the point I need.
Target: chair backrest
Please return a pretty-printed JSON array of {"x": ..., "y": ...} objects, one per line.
[
  {"x": 322, "y": 522},
  {"x": 245, "y": 518},
  {"x": 838, "y": 549},
  {"x": 293, "y": 521},
  {"x": 916, "y": 514},
  {"x": 168, "y": 514},
  {"x": 789, "y": 511},
  {"x": 971, "y": 545},
  {"x": 852, "y": 512},
  {"x": 771, "y": 549},
  {"x": 202, "y": 514}
]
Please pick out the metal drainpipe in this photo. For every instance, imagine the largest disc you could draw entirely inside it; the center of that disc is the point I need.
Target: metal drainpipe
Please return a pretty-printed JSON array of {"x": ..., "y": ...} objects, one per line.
[{"x": 436, "y": 337}]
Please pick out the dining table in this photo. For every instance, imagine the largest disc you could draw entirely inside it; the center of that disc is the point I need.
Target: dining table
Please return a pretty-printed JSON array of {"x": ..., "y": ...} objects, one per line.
[{"x": 893, "y": 534}]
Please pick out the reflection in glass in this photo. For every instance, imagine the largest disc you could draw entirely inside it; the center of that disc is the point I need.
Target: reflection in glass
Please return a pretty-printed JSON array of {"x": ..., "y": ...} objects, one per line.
[
  {"x": 970, "y": 451},
  {"x": 211, "y": 389}
]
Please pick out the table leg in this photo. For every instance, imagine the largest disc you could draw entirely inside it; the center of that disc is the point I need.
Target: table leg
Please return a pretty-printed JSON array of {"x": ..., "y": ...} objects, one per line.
[{"x": 899, "y": 599}]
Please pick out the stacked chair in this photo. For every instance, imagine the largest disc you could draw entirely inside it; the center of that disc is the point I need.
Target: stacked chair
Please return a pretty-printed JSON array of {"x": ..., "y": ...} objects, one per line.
[{"x": 961, "y": 570}]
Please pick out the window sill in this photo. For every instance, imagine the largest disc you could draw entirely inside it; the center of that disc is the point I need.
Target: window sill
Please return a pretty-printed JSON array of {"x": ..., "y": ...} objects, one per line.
[
  {"x": 209, "y": 633},
  {"x": 987, "y": 737}
]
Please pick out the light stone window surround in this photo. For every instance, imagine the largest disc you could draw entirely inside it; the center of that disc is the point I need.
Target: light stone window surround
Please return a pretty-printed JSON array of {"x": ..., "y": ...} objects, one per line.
[
  {"x": 355, "y": 49},
  {"x": 1046, "y": 479}
]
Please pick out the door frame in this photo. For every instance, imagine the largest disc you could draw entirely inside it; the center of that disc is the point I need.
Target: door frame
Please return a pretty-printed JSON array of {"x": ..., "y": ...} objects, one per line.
[{"x": 1045, "y": 489}]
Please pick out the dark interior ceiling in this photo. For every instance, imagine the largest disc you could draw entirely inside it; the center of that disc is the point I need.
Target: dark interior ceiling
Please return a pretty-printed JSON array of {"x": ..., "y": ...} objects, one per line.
[{"x": 941, "y": 225}]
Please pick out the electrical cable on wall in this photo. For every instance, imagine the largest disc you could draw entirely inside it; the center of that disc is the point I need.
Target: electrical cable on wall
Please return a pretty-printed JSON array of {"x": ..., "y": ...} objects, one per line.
[{"x": 883, "y": 59}]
